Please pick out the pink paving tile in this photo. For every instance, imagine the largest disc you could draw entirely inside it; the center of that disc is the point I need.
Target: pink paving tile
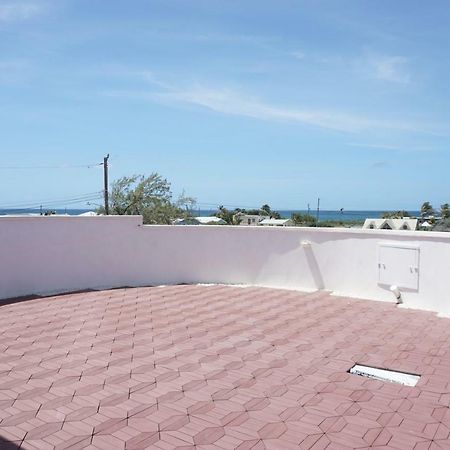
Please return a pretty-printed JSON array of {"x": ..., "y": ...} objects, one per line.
[
  {"x": 44, "y": 430},
  {"x": 219, "y": 367},
  {"x": 74, "y": 443},
  {"x": 209, "y": 435},
  {"x": 142, "y": 440},
  {"x": 272, "y": 430}
]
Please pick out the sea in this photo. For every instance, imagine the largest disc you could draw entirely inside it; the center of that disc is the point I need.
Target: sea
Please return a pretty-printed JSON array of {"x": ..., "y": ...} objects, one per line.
[
  {"x": 344, "y": 216},
  {"x": 34, "y": 212}
]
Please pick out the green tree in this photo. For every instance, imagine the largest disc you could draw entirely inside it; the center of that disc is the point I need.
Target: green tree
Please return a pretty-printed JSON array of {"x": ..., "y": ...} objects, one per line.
[
  {"x": 443, "y": 225},
  {"x": 426, "y": 209},
  {"x": 253, "y": 212},
  {"x": 228, "y": 215},
  {"x": 445, "y": 211},
  {"x": 303, "y": 219},
  {"x": 186, "y": 203},
  {"x": 267, "y": 210},
  {"x": 150, "y": 197},
  {"x": 395, "y": 214},
  {"x": 231, "y": 217}
]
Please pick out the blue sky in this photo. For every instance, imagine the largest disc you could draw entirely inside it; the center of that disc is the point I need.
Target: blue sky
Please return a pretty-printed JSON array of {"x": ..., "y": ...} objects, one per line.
[{"x": 237, "y": 102}]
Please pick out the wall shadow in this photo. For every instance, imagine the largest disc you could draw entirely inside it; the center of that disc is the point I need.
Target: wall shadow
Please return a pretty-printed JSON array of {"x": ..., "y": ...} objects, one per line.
[
  {"x": 314, "y": 267},
  {"x": 9, "y": 445},
  {"x": 25, "y": 298},
  {"x": 9, "y": 301}
]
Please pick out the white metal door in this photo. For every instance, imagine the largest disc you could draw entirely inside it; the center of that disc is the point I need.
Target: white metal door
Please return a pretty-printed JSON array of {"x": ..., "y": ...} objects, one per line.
[{"x": 398, "y": 265}]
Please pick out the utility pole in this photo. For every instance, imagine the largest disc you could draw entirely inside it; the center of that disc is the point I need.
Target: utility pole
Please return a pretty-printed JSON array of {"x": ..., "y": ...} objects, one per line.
[
  {"x": 318, "y": 209},
  {"x": 105, "y": 181}
]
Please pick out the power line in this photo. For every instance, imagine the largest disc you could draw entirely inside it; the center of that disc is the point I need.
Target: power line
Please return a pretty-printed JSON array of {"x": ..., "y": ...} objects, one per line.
[
  {"x": 228, "y": 206},
  {"x": 57, "y": 199},
  {"x": 51, "y": 206},
  {"x": 73, "y": 202},
  {"x": 48, "y": 206},
  {"x": 67, "y": 200},
  {"x": 82, "y": 198},
  {"x": 61, "y": 166}
]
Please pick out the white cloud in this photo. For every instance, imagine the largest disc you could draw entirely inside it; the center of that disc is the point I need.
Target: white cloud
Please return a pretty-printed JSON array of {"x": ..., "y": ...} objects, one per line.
[
  {"x": 298, "y": 54},
  {"x": 123, "y": 71},
  {"x": 405, "y": 147},
  {"x": 226, "y": 101},
  {"x": 17, "y": 11},
  {"x": 14, "y": 70},
  {"x": 389, "y": 68},
  {"x": 235, "y": 103},
  {"x": 12, "y": 64},
  {"x": 379, "y": 146}
]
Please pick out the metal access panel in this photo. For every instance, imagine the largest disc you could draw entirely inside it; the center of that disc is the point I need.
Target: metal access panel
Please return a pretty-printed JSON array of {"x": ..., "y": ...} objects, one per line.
[
  {"x": 393, "y": 376},
  {"x": 398, "y": 264}
]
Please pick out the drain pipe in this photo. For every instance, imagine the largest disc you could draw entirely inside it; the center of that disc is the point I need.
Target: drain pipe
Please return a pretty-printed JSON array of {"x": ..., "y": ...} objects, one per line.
[{"x": 396, "y": 291}]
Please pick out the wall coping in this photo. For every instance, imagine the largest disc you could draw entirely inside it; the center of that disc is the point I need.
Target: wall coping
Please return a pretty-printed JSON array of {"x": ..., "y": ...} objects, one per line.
[{"x": 420, "y": 235}]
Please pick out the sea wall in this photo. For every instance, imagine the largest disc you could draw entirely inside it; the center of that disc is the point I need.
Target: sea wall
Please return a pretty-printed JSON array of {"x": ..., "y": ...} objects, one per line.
[{"x": 44, "y": 255}]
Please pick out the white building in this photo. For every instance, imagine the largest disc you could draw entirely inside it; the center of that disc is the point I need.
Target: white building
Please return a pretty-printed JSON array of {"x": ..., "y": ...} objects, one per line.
[
  {"x": 276, "y": 223},
  {"x": 249, "y": 220},
  {"x": 390, "y": 224},
  {"x": 212, "y": 220},
  {"x": 186, "y": 221},
  {"x": 426, "y": 225}
]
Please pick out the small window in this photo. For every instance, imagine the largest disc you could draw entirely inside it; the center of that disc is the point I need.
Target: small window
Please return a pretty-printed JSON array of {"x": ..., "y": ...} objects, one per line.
[{"x": 386, "y": 226}]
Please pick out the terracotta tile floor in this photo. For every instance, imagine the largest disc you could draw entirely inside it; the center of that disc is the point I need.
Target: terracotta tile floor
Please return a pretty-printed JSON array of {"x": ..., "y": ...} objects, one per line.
[{"x": 217, "y": 367}]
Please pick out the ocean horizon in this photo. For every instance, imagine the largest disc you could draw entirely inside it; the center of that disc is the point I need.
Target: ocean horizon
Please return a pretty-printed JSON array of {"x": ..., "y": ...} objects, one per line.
[{"x": 324, "y": 215}]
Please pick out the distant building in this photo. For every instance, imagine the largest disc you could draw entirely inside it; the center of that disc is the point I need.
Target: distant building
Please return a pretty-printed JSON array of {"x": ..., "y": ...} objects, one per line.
[
  {"x": 391, "y": 224},
  {"x": 213, "y": 220},
  {"x": 276, "y": 223},
  {"x": 426, "y": 225},
  {"x": 249, "y": 220},
  {"x": 186, "y": 221}
]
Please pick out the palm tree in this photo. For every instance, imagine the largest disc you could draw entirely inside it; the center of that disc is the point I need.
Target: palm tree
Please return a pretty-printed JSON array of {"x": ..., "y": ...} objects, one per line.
[{"x": 426, "y": 209}]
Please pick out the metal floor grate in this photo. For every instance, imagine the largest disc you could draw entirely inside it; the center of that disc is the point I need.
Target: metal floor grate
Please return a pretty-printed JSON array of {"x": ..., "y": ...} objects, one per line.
[{"x": 407, "y": 379}]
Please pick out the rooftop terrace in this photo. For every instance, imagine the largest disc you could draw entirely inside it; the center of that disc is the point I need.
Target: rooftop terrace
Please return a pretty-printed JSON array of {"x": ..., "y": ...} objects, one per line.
[{"x": 219, "y": 367}]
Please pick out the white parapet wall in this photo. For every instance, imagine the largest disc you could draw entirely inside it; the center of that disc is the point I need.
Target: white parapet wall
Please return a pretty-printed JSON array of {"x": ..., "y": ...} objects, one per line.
[{"x": 43, "y": 255}]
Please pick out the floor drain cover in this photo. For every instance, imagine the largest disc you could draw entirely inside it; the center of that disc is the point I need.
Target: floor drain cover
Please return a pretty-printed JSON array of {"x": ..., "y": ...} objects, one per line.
[{"x": 408, "y": 379}]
